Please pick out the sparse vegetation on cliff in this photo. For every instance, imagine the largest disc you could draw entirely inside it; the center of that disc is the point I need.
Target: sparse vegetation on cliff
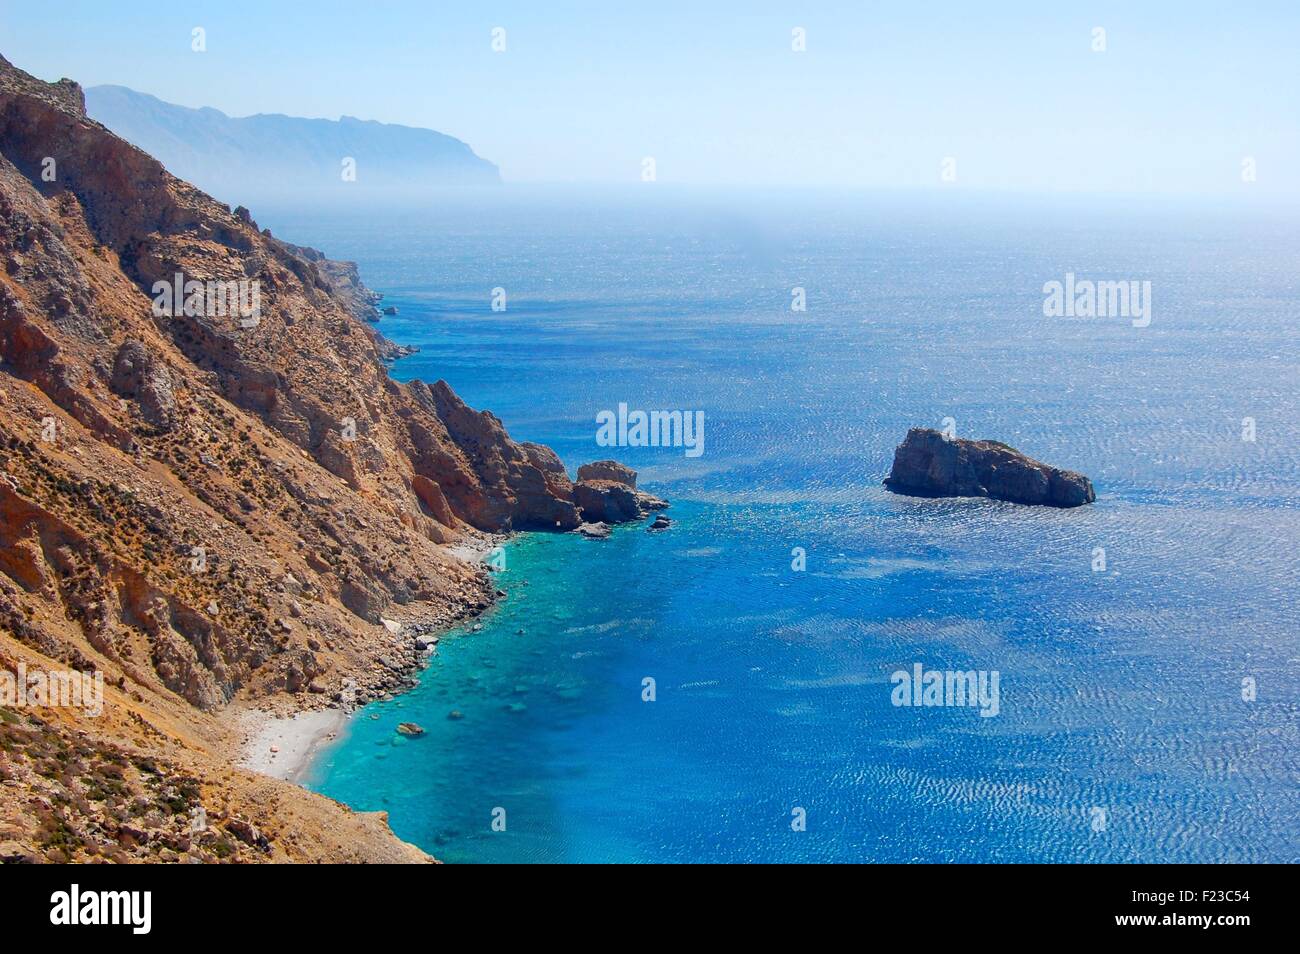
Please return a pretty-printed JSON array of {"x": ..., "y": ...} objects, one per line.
[{"x": 214, "y": 510}]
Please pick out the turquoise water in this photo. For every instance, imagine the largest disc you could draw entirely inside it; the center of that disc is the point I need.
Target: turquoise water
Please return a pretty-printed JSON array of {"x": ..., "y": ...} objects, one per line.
[{"x": 1122, "y": 733}]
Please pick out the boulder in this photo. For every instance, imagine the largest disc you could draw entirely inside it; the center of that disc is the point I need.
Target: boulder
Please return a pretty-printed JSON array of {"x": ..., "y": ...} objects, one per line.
[
  {"x": 927, "y": 464},
  {"x": 595, "y": 531},
  {"x": 300, "y": 670},
  {"x": 247, "y": 832}
]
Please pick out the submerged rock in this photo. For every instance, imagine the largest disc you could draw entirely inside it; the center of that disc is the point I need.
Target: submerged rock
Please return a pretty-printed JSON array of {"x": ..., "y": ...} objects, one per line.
[{"x": 927, "y": 464}]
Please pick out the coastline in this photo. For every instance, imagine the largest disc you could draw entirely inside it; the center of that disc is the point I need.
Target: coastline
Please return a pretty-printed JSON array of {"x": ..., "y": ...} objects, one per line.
[
  {"x": 284, "y": 740},
  {"x": 284, "y": 745}
]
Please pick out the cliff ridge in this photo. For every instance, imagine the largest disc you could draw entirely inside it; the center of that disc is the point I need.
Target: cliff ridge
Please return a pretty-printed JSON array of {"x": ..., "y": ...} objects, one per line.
[{"x": 213, "y": 494}]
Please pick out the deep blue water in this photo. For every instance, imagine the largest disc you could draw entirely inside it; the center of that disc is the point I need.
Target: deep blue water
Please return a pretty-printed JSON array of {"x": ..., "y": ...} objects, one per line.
[{"x": 1121, "y": 705}]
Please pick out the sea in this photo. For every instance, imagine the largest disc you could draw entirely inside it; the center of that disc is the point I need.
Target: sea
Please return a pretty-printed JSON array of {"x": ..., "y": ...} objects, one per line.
[{"x": 732, "y": 689}]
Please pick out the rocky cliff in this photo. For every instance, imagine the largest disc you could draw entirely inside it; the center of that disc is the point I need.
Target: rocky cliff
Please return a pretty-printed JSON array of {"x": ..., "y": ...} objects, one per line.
[
  {"x": 213, "y": 505},
  {"x": 927, "y": 464}
]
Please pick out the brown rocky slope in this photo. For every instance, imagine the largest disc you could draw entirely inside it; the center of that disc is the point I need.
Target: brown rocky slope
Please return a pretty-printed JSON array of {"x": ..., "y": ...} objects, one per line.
[{"x": 212, "y": 513}]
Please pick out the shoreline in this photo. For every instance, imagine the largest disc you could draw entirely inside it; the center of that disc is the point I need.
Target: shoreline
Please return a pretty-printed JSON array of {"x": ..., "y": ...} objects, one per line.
[{"x": 285, "y": 745}]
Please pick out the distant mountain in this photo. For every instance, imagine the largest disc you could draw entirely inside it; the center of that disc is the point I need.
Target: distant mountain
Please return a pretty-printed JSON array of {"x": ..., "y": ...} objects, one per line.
[{"x": 274, "y": 155}]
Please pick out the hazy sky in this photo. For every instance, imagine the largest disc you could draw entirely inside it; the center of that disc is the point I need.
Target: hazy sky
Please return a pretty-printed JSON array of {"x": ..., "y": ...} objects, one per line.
[{"x": 713, "y": 91}]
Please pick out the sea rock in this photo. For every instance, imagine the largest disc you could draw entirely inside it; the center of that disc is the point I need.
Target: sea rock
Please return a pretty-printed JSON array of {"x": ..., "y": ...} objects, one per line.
[
  {"x": 927, "y": 464},
  {"x": 661, "y": 522},
  {"x": 411, "y": 729},
  {"x": 649, "y": 502},
  {"x": 608, "y": 470},
  {"x": 604, "y": 501},
  {"x": 595, "y": 531},
  {"x": 606, "y": 493}
]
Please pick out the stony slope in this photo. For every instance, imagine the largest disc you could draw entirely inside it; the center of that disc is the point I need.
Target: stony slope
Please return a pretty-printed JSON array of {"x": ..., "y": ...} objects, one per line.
[{"x": 212, "y": 513}]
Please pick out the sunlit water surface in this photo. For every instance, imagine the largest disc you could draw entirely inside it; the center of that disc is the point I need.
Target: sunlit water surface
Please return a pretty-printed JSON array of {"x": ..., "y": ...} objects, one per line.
[{"x": 1122, "y": 733}]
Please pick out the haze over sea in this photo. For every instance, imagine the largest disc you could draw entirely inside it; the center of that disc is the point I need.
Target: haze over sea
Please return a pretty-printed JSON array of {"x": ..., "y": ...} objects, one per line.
[{"x": 1123, "y": 734}]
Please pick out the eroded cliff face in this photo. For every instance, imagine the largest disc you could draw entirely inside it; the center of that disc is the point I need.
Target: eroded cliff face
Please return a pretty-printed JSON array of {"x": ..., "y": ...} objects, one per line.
[{"x": 207, "y": 506}]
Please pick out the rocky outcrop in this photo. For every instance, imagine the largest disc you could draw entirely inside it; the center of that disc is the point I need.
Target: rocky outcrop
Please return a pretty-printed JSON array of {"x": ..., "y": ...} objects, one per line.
[
  {"x": 606, "y": 493},
  {"x": 603, "y": 501},
  {"x": 608, "y": 470},
  {"x": 927, "y": 464},
  {"x": 344, "y": 278},
  {"x": 610, "y": 501},
  {"x": 139, "y": 375}
]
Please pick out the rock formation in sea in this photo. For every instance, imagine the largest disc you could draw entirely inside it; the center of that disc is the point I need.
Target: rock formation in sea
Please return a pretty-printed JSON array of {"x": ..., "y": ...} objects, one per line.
[
  {"x": 927, "y": 464},
  {"x": 215, "y": 507},
  {"x": 606, "y": 493},
  {"x": 608, "y": 470}
]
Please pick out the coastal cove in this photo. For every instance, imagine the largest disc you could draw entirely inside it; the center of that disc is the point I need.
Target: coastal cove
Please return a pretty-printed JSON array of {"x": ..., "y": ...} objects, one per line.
[
  {"x": 772, "y": 684},
  {"x": 690, "y": 435}
]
